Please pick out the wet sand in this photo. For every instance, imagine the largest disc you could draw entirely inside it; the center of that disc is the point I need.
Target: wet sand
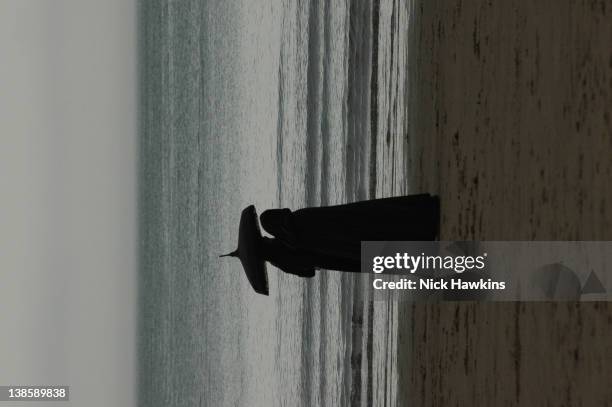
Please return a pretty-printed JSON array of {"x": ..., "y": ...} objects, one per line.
[{"x": 510, "y": 123}]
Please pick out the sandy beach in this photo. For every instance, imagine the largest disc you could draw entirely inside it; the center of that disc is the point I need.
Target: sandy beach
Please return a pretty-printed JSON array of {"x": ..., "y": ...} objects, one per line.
[{"x": 510, "y": 123}]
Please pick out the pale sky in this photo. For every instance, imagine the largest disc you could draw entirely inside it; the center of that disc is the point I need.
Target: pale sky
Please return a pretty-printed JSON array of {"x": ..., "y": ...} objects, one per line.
[{"x": 68, "y": 149}]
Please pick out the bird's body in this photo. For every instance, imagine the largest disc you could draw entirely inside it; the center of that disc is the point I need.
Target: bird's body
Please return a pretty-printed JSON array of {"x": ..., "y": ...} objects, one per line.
[{"x": 330, "y": 237}]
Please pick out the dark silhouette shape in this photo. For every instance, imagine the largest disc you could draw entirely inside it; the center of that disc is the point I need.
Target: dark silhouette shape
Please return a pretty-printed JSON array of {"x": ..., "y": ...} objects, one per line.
[
  {"x": 249, "y": 252},
  {"x": 330, "y": 237}
]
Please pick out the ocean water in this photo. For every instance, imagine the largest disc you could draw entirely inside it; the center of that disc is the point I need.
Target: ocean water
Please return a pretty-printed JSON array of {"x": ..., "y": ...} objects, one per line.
[{"x": 279, "y": 104}]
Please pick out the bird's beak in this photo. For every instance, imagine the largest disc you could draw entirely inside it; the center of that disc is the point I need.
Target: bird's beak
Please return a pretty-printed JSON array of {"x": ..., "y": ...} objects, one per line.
[{"x": 232, "y": 254}]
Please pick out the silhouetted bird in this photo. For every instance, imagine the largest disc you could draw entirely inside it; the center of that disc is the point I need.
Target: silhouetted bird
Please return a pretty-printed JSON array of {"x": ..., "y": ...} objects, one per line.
[{"x": 329, "y": 237}]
